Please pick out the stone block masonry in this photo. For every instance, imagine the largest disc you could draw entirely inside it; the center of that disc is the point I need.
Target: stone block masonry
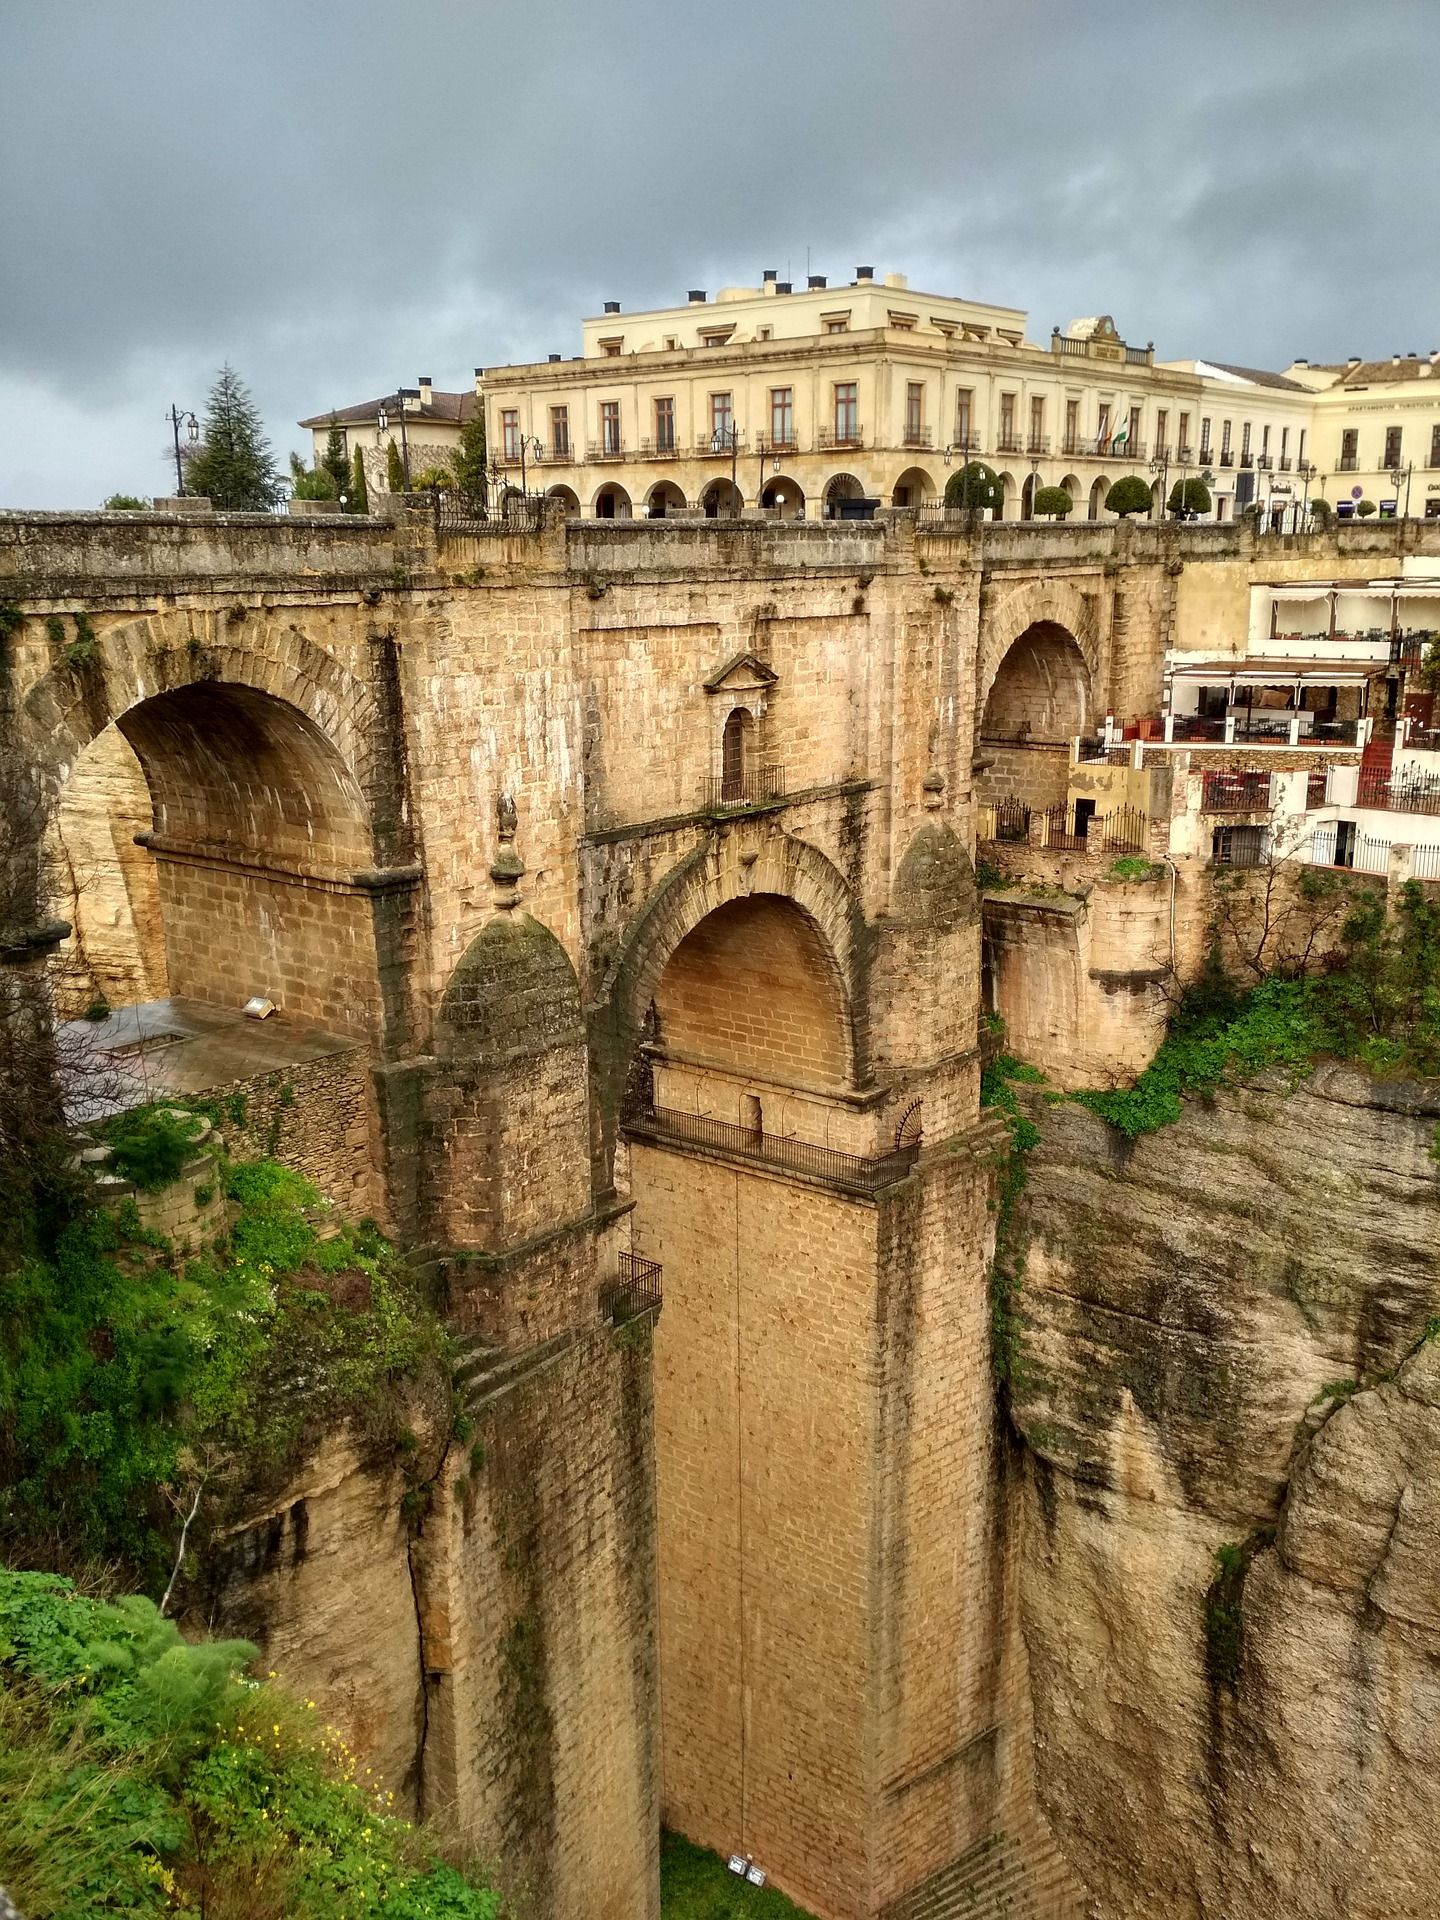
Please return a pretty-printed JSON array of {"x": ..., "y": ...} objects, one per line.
[{"x": 455, "y": 802}]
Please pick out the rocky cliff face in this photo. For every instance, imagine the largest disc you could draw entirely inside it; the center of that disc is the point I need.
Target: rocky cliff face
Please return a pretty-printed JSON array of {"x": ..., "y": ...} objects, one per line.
[{"x": 1225, "y": 1348}]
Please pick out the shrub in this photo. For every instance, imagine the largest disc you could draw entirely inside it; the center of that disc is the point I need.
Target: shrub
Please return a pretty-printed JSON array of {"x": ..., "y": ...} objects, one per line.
[
  {"x": 126, "y": 503},
  {"x": 359, "y": 501},
  {"x": 1128, "y": 495},
  {"x": 1365, "y": 508},
  {"x": 1322, "y": 514},
  {"x": 150, "y": 1145},
  {"x": 1053, "y": 503},
  {"x": 311, "y": 483},
  {"x": 975, "y": 485},
  {"x": 433, "y": 480},
  {"x": 1189, "y": 496}
]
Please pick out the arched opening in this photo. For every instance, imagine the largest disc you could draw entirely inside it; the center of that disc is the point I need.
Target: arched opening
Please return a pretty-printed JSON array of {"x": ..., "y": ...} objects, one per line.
[
  {"x": 735, "y": 754},
  {"x": 913, "y": 488},
  {"x": 1027, "y": 496},
  {"x": 1071, "y": 484},
  {"x": 1039, "y": 701},
  {"x": 841, "y": 486},
  {"x": 612, "y": 502},
  {"x": 784, "y": 497},
  {"x": 1097, "y": 497},
  {"x": 664, "y": 498},
  {"x": 1157, "y": 502},
  {"x": 245, "y": 886},
  {"x": 1006, "y": 502},
  {"x": 722, "y": 500},
  {"x": 568, "y": 498}
]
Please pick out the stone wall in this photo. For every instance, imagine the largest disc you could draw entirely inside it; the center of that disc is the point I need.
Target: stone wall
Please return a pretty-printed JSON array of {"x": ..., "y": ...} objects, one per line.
[{"x": 318, "y": 1117}]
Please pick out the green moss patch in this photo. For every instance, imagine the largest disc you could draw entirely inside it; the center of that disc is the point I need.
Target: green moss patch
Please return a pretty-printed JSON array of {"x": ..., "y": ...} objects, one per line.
[{"x": 697, "y": 1885}]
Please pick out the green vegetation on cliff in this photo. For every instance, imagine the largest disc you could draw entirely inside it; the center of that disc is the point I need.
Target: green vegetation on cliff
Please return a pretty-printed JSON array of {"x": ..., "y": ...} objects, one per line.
[
  {"x": 139, "y": 1379},
  {"x": 1376, "y": 1003},
  {"x": 141, "y": 1775}
]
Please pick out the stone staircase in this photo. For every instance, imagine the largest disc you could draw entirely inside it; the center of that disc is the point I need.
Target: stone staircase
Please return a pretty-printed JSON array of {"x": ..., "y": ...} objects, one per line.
[{"x": 484, "y": 1372}]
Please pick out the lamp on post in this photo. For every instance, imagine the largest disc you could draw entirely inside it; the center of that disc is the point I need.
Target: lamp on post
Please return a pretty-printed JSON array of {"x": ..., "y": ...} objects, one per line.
[
  {"x": 1160, "y": 468},
  {"x": 382, "y": 424},
  {"x": 774, "y": 460},
  {"x": 528, "y": 441},
  {"x": 1397, "y": 474},
  {"x": 178, "y": 417}
]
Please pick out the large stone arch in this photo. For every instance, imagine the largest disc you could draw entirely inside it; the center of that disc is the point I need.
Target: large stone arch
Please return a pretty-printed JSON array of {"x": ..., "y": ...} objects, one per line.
[
  {"x": 738, "y": 863},
  {"x": 1006, "y": 613}
]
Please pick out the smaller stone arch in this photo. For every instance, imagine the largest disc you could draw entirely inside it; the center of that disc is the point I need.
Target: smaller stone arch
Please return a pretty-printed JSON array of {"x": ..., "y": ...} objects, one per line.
[
  {"x": 568, "y": 499},
  {"x": 612, "y": 502},
  {"x": 783, "y": 496},
  {"x": 722, "y": 500},
  {"x": 1006, "y": 490},
  {"x": 1072, "y": 486},
  {"x": 663, "y": 499},
  {"x": 841, "y": 486},
  {"x": 1098, "y": 492},
  {"x": 914, "y": 488}
]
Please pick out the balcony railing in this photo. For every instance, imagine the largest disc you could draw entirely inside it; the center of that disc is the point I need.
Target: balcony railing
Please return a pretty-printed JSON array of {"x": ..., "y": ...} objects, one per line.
[
  {"x": 1419, "y": 794},
  {"x": 1246, "y": 462},
  {"x": 776, "y": 443},
  {"x": 1074, "y": 349},
  {"x": 1284, "y": 463},
  {"x": 966, "y": 443},
  {"x": 720, "y": 443},
  {"x": 556, "y": 454},
  {"x": 1348, "y": 463},
  {"x": 636, "y": 1289},
  {"x": 1265, "y": 462},
  {"x": 1227, "y": 459},
  {"x": 916, "y": 437},
  {"x": 605, "y": 450},
  {"x": 1037, "y": 443},
  {"x": 660, "y": 449},
  {"x": 752, "y": 787},
  {"x": 1196, "y": 726},
  {"x": 829, "y": 437},
  {"x": 1235, "y": 793},
  {"x": 1008, "y": 442},
  {"x": 1206, "y": 454},
  {"x": 1184, "y": 454},
  {"x": 858, "y": 1173},
  {"x": 1162, "y": 449}
]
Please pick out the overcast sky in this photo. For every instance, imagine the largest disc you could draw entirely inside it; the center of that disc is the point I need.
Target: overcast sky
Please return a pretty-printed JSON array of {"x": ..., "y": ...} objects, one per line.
[{"x": 339, "y": 197}]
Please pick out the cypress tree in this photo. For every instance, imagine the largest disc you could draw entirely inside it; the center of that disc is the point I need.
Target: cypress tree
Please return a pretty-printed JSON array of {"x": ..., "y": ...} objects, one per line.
[
  {"x": 234, "y": 463},
  {"x": 334, "y": 461},
  {"x": 394, "y": 469},
  {"x": 359, "y": 501}
]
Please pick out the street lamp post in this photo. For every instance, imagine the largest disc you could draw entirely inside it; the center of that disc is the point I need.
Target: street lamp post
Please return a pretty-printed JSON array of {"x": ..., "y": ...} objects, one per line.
[
  {"x": 774, "y": 460},
  {"x": 527, "y": 441},
  {"x": 382, "y": 423},
  {"x": 1397, "y": 474},
  {"x": 179, "y": 417},
  {"x": 1160, "y": 467}
]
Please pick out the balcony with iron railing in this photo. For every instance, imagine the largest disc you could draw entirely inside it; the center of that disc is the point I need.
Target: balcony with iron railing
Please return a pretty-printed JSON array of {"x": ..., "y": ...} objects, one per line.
[
  {"x": 1285, "y": 463},
  {"x": 831, "y": 438},
  {"x": 746, "y": 787},
  {"x": 854, "y": 1172},
  {"x": 916, "y": 437},
  {"x": 720, "y": 443},
  {"x": 635, "y": 1290},
  {"x": 1037, "y": 443},
  {"x": 786, "y": 443},
  {"x": 605, "y": 450},
  {"x": 1227, "y": 459},
  {"x": 1247, "y": 461},
  {"x": 666, "y": 449},
  {"x": 1235, "y": 793},
  {"x": 1418, "y": 793},
  {"x": 1184, "y": 453},
  {"x": 1008, "y": 441},
  {"x": 1348, "y": 463},
  {"x": 1162, "y": 450},
  {"x": 1264, "y": 462},
  {"x": 556, "y": 454},
  {"x": 967, "y": 444}
]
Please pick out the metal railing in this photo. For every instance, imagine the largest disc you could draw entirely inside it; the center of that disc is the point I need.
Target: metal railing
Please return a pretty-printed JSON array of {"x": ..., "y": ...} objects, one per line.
[
  {"x": 830, "y": 437},
  {"x": 776, "y": 443},
  {"x": 1235, "y": 793},
  {"x": 860, "y": 1173},
  {"x": 605, "y": 449},
  {"x": 967, "y": 443},
  {"x": 1284, "y": 463},
  {"x": 1425, "y": 863},
  {"x": 1010, "y": 442},
  {"x": 636, "y": 1289},
  {"x": 1068, "y": 829},
  {"x": 1184, "y": 454},
  {"x": 1348, "y": 463},
  {"x": 1227, "y": 459},
  {"x": 1196, "y": 726},
  {"x": 1037, "y": 443},
  {"x": 660, "y": 449},
  {"x": 1239, "y": 846},
  {"x": 1264, "y": 462},
  {"x": 1361, "y": 852},
  {"x": 916, "y": 437},
  {"x": 752, "y": 787},
  {"x": 1419, "y": 793},
  {"x": 720, "y": 443}
]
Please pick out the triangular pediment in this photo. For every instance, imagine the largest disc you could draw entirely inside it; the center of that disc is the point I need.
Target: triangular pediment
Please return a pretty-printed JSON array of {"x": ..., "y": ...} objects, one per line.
[{"x": 744, "y": 671}]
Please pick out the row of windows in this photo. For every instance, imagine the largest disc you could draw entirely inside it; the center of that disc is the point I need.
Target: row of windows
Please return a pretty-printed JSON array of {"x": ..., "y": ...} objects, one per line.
[
  {"x": 1114, "y": 427},
  {"x": 1393, "y": 455}
]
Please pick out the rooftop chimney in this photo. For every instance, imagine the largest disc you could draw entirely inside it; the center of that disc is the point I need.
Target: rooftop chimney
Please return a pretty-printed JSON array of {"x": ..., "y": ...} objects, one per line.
[
  {"x": 1353, "y": 361},
  {"x": 864, "y": 273},
  {"x": 427, "y": 392},
  {"x": 697, "y": 296},
  {"x": 816, "y": 280},
  {"x": 1394, "y": 359},
  {"x": 769, "y": 274},
  {"x": 553, "y": 358},
  {"x": 782, "y": 286},
  {"x": 1299, "y": 362},
  {"x": 612, "y": 306}
]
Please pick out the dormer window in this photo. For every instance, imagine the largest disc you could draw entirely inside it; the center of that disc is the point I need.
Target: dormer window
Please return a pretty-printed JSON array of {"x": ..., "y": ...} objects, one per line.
[
  {"x": 835, "y": 322},
  {"x": 902, "y": 322},
  {"x": 613, "y": 347},
  {"x": 715, "y": 336}
]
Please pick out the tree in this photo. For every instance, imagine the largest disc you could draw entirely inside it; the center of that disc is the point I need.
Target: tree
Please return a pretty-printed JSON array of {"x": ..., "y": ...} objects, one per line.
[
  {"x": 1053, "y": 503},
  {"x": 310, "y": 483},
  {"x": 359, "y": 501},
  {"x": 126, "y": 503},
  {"x": 1322, "y": 514},
  {"x": 1130, "y": 495},
  {"x": 233, "y": 464},
  {"x": 394, "y": 470},
  {"x": 975, "y": 485},
  {"x": 433, "y": 480},
  {"x": 1189, "y": 496},
  {"x": 334, "y": 459},
  {"x": 1365, "y": 508},
  {"x": 470, "y": 459}
]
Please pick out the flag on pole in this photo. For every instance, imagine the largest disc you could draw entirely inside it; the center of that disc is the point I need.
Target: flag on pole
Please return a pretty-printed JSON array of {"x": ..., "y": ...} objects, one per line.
[{"x": 1121, "y": 433}]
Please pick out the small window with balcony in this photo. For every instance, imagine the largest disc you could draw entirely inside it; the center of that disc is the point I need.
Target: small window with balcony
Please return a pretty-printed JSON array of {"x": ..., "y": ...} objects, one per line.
[
  {"x": 782, "y": 416},
  {"x": 964, "y": 418},
  {"x": 722, "y": 422},
  {"x": 1435, "y": 447},
  {"x": 560, "y": 432},
  {"x": 510, "y": 433},
  {"x": 1072, "y": 426},
  {"x": 1245, "y": 442},
  {"x": 1037, "y": 425},
  {"x": 1008, "y": 442},
  {"x": 1265, "y": 439},
  {"x": 847, "y": 410},
  {"x": 665, "y": 423},
  {"x": 1102, "y": 426},
  {"x": 1392, "y": 446},
  {"x": 1225, "y": 440},
  {"x": 1132, "y": 438},
  {"x": 1349, "y": 449},
  {"x": 1205, "y": 436},
  {"x": 1162, "y": 428},
  {"x": 610, "y": 426},
  {"x": 914, "y": 412},
  {"x": 1284, "y": 444},
  {"x": 1182, "y": 437},
  {"x": 735, "y": 753},
  {"x": 1300, "y": 449}
]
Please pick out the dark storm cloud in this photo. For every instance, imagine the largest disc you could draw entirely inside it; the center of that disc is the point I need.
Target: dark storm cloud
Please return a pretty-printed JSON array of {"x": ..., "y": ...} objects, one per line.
[{"x": 339, "y": 197}]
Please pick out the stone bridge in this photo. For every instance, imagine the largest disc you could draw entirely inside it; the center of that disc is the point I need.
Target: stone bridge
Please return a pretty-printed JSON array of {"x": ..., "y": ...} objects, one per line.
[{"x": 613, "y": 887}]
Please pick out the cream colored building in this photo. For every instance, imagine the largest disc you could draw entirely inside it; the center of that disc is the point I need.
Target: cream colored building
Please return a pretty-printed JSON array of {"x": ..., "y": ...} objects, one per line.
[
  {"x": 1377, "y": 429},
  {"x": 422, "y": 422},
  {"x": 795, "y": 400}
]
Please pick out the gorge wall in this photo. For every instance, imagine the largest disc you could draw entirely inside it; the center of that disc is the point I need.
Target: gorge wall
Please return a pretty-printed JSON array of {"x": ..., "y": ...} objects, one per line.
[{"x": 1225, "y": 1347}]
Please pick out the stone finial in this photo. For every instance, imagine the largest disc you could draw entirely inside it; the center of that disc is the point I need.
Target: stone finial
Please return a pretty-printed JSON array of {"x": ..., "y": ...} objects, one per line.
[
  {"x": 507, "y": 866},
  {"x": 933, "y": 788}
]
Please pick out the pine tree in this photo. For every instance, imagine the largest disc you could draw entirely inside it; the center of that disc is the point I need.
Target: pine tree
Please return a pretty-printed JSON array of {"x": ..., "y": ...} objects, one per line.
[
  {"x": 334, "y": 461},
  {"x": 469, "y": 461},
  {"x": 394, "y": 469},
  {"x": 359, "y": 501},
  {"x": 234, "y": 464}
]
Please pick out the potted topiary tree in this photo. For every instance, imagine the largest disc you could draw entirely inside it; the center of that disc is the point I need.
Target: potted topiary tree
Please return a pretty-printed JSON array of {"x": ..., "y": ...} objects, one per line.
[
  {"x": 1053, "y": 503},
  {"x": 975, "y": 486},
  {"x": 1127, "y": 496},
  {"x": 1189, "y": 498},
  {"x": 1365, "y": 508},
  {"x": 1322, "y": 515}
]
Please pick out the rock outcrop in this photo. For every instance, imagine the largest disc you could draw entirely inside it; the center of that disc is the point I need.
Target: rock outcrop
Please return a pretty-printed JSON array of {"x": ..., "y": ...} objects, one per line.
[{"x": 1225, "y": 1346}]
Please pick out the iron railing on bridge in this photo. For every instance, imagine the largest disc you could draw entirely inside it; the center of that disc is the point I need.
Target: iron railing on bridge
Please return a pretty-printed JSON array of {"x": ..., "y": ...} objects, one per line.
[
  {"x": 1065, "y": 827},
  {"x": 858, "y": 1173}
]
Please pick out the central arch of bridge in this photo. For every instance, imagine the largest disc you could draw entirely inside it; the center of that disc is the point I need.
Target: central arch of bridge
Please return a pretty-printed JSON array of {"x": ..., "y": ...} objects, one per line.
[{"x": 1039, "y": 701}]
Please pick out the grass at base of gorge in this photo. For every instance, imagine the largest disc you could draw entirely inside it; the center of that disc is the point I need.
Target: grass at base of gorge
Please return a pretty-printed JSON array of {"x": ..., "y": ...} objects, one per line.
[{"x": 697, "y": 1885}]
